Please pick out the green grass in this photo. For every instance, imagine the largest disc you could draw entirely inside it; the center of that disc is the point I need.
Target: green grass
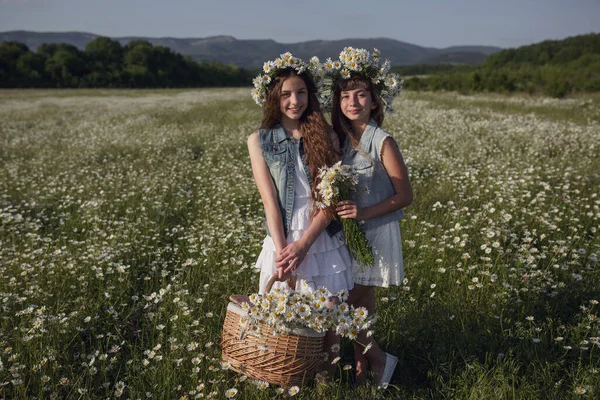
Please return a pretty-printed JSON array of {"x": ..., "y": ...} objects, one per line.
[
  {"x": 127, "y": 218},
  {"x": 577, "y": 109}
]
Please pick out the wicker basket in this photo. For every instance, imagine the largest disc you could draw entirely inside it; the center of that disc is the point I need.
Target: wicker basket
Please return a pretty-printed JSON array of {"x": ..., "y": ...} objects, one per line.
[{"x": 284, "y": 360}]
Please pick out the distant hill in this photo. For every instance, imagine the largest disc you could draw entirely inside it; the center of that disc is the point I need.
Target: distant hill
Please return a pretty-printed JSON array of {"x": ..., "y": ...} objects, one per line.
[
  {"x": 252, "y": 53},
  {"x": 553, "y": 52},
  {"x": 459, "y": 57},
  {"x": 552, "y": 67}
]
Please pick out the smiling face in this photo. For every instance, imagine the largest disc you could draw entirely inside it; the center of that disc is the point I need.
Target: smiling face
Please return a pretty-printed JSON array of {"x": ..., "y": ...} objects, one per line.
[
  {"x": 356, "y": 104},
  {"x": 293, "y": 99},
  {"x": 361, "y": 103}
]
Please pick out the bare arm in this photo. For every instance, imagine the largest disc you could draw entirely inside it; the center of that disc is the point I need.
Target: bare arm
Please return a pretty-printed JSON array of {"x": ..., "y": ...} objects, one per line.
[
  {"x": 293, "y": 254},
  {"x": 394, "y": 165},
  {"x": 267, "y": 191}
]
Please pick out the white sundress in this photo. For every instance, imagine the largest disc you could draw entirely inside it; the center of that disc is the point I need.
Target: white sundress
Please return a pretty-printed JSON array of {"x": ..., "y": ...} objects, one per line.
[
  {"x": 384, "y": 237},
  {"x": 327, "y": 263},
  {"x": 388, "y": 269}
]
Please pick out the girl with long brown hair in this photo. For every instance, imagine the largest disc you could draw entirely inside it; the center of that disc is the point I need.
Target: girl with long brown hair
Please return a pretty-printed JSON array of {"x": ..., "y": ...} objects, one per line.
[{"x": 294, "y": 141}]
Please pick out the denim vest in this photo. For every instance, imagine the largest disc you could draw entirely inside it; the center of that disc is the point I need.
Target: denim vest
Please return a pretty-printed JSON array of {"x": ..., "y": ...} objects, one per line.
[
  {"x": 279, "y": 151},
  {"x": 374, "y": 184}
]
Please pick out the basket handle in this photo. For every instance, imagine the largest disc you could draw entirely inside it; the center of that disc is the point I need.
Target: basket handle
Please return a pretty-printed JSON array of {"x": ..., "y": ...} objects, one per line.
[
  {"x": 288, "y": 278},
  {"x": 239, "y": 299}
]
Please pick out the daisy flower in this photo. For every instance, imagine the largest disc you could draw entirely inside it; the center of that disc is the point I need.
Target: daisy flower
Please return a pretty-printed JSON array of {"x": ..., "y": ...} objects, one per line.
[{"x": 294, "y": 390}]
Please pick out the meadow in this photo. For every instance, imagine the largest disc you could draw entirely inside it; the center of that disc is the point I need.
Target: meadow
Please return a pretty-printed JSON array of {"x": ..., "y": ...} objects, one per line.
[{"x": 127, "y": 218}]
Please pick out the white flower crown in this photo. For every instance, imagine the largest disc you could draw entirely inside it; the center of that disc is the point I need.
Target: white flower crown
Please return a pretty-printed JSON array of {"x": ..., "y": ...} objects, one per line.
[
  {"x": 353, "y": 62},
  {"x": 285, "y": 61}
]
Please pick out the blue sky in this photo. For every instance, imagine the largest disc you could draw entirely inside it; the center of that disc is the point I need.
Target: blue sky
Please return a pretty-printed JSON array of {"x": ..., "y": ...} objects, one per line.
[{"x": 430, "y": 23}]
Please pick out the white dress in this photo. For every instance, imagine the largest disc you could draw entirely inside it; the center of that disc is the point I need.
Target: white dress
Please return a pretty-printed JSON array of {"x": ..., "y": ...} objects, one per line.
[
  {"x": 388, "y": 269},
  {"x": 327, "y": 263},
  {"x": 383, "y": 233}
]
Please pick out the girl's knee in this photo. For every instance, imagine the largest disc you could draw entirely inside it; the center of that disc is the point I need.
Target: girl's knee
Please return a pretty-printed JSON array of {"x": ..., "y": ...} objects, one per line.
[{"x": 360, "y": 292}]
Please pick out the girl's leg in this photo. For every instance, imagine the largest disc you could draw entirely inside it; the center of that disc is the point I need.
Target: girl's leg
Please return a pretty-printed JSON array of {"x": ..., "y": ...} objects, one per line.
[
  {"x": 331, "y": 339},
  {"x": 331, "y": 345},
  {"x": 364, "y": 296}
]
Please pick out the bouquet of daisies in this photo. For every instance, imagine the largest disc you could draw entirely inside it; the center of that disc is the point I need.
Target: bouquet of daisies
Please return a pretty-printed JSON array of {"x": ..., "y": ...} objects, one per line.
[
  {"x": 284, "y": 309},
  {"x": 336, "y": 184}
]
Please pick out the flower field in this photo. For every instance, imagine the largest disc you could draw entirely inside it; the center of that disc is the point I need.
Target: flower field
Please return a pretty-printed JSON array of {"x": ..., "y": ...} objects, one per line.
[{"x": 127, "y": 218}]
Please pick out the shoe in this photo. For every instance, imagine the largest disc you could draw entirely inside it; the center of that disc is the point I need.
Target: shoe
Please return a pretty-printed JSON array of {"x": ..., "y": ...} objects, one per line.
[{"x": 388, "y": 370}]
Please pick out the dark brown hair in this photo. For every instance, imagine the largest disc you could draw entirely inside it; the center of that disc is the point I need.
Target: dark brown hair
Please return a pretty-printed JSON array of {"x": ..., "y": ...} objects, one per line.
[
  {"x": 341, "y": 124},
  {"x": 313, "y": 126}
]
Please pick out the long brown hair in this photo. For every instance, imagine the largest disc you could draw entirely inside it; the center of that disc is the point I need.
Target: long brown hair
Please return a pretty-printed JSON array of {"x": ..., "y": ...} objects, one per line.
[
  {"x": 313, "y": 126},
  {"x": 342, "y": 125}
]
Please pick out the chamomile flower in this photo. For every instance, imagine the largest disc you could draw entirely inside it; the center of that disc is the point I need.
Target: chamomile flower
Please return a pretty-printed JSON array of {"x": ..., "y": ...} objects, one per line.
[
  {"x": 282, "y": 310},
  {"x": 352, "y": 333},
  {"x": 360, "y": 313},
  {"x": 267, "y": 67},
  {"x": 329, "y": 65},
  {"x": 580, "y": 390},
  {"x": 272, "y": 68},
  {"x": 304, "y": 310},
  {"x": 359, "y": 62},
  {"x": 192, "y": 346},
  {"x": 343, "y": 295},
  {"x": 294, "y": 390},
  {"x": 262, "y": 385}
]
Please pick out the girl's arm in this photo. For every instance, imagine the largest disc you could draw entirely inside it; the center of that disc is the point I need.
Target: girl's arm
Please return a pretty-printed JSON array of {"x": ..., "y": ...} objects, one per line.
[
  {"x": 267, "y": 191},
  {"x": 293, "y": 254},
  {"x": 398, "y": 173}
]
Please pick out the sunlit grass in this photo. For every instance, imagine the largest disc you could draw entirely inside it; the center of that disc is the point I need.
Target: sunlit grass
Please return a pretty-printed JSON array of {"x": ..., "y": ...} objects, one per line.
[{"x": 127, "y": 218}]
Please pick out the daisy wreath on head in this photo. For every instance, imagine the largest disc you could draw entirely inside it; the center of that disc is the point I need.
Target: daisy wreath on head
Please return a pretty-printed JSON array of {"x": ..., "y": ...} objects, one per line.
[
  {"x": 359, "y": 62},
  {"x": 285, "y": 61}
]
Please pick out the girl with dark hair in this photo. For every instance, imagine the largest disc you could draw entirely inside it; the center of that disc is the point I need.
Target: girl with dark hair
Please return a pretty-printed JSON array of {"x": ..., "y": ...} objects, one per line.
[
  {"x": 362, "y": 91},
  {"x": 294, "y": 141}
]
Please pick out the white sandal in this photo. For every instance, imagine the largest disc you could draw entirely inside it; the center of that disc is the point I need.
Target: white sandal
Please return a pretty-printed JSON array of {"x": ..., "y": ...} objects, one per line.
[{"x": 388, "y": 371}]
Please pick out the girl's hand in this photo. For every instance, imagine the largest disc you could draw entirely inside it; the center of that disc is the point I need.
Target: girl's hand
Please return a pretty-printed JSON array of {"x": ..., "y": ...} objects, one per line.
[
  {"x": 290, "y": 257},
  {"x": 349, "y": 209}
]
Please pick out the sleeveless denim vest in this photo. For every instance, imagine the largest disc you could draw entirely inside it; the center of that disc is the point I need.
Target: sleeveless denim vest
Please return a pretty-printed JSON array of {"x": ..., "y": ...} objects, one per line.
[
  {"x": 279, "y": 151},
  {"x": 374, "y": 184}
]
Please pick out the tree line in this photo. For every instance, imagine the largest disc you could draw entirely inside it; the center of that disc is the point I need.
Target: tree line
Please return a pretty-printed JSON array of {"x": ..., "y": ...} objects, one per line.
[
  {"x": 553, "y": 67},
  {"x": 106, "y": 63},
  {"x": 428, "y": 69}
]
